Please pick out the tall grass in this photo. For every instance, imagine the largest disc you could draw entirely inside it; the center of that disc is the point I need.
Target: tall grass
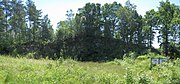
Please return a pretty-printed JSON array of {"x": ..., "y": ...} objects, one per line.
[{"x": 67, "y": 71}]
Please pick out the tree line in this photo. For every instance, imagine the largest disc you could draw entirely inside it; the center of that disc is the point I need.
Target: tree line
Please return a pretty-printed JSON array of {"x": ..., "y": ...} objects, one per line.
[
  {"x": 95, "y": 33},
  {"x": 23, "y": 29}
]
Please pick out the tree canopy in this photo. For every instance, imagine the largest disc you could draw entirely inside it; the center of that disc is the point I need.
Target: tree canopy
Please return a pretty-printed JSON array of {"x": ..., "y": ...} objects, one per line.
[{"x": 95, "y": 33}]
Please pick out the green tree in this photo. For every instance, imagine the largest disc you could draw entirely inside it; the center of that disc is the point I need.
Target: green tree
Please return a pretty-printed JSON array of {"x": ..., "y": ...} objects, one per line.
[
  {"x": 125, "y": 14},
  {"x": 6, "y": 8},
  {"x": 90, "y": 19},
  {"x": 175, "y": 25},
  {"x": 17, "y": 21},
  {"x": 175, "y": 34},
  {"x": 66, "y": 29},
  {"x": 2, "y": 31},
  {"x": 130, "y": 29},
  {"x": 110, "y": 19},
  {"x": 149, "y": 27},
  {"x": 46, "y": 38},
  {"x": 165, "y": 17},
  {"x": 8, "y": 39},
  {"x": 46, "y": 29},
  {"x": 33, "y": 19}
]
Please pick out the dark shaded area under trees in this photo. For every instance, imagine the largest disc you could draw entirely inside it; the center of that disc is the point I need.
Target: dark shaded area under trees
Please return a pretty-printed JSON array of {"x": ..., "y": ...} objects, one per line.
[{"x": 96, "y": 33}]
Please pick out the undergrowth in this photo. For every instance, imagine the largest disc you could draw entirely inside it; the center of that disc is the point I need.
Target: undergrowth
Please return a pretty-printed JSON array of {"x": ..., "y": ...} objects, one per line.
[{"x": 67, "y": 71}]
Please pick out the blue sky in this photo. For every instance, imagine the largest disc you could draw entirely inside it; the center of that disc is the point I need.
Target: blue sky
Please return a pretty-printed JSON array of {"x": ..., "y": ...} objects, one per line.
[{"x": 56, "y": 9}]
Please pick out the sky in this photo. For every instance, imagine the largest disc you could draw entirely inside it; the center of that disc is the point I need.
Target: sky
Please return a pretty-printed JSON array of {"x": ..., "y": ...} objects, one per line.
[{"x": 56, "y": 9}]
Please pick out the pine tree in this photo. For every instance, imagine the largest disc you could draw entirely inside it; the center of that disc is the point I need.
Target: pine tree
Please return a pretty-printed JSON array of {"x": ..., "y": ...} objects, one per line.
[
  {"x": 33, "y": 19},
  {"x": 46, "y": 29},
  {"x": 17, "y": 20}
]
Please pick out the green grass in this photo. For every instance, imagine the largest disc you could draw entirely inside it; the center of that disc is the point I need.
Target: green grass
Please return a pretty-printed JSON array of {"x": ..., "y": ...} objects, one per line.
[{"x": 127, "y": 71}]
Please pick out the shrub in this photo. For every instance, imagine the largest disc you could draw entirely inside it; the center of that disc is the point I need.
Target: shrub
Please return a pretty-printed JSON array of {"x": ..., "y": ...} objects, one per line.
[
  {"x": 132, "y": 55},
  {"x": 144, "y": 79},
  {"x": 143, "y": 57},
  {"x": 30, "y": 55},
  {"x": 150, "y": 55},
  {"x": 129, "y": 76}
]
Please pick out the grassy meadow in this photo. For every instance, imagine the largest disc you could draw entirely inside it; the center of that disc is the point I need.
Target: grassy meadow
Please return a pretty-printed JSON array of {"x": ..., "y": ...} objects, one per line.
[{"x": 128, "y": 71}]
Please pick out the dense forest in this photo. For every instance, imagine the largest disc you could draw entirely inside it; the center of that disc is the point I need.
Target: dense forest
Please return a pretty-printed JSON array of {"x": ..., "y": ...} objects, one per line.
[{"x": 95, "y": 33}]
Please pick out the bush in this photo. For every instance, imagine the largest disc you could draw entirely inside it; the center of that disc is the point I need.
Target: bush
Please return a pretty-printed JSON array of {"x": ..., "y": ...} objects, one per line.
[
  {"x": 143, "y": 57},
  {"x": 129, "y": 77},
  {"x": 33, "y": 55},
  {"x": 144, "y": 79},
  {"x": 150, "y": 55},
  {"x": 132, "y": 55}
]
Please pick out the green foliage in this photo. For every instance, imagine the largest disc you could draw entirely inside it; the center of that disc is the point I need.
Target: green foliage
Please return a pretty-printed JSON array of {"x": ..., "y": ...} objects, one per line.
[
  {"x": 96, "y": 33},
  {"x": 143, "y": 57},
  {"x": 150, "y": 55},
  {"x": 129, "y": 77},
  {"x": 144, "y": 79},
  {"x": 132, "y": 55},
  {"x": 30, "y": 55},
  {"x": 166, "y": 13},
  {"x": 31, "y": 71}
]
